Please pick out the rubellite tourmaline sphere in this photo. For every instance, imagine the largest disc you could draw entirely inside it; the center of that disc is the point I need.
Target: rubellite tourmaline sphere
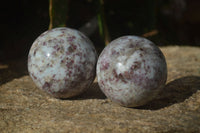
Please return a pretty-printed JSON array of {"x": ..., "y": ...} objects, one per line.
[
  {"x": 62, "y": 62},
  {"x": 131, "y": 71}
]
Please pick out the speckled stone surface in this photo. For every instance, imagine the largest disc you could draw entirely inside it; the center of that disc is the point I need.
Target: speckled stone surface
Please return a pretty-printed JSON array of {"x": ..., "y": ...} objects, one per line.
[
  {"x": 131, "y": 71},
  {"x": 62, "y": 62},
  {"x": 26, "y": 109}
]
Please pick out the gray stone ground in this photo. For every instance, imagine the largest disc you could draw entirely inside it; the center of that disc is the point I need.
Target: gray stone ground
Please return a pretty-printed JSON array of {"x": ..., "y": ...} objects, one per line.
[{"x": 25, "y": 108}]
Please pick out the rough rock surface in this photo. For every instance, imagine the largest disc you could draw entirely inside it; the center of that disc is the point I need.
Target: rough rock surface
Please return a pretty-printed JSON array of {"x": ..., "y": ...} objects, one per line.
[{"x": 25, "y": 108}]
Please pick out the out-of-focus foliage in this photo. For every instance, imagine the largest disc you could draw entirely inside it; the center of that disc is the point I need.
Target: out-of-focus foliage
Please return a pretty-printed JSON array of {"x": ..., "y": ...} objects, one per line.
[
  {"x": 166, "y": 22},
  {"x": 58, "y": 13},
  {"x": 115, "y": 17}
]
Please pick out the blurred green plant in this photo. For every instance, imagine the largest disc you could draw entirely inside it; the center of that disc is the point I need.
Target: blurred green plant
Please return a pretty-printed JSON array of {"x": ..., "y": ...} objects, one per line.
[
  {"x": 58, "y": 10},
  {"x": 103, "y": 29},
  {"x": 58, "y": 13},
  {"x": 114, "y": 17}
]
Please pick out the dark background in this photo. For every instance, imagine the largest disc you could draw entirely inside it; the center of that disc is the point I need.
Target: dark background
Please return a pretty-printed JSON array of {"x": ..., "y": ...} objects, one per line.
[{"x": 176, "y": 22}]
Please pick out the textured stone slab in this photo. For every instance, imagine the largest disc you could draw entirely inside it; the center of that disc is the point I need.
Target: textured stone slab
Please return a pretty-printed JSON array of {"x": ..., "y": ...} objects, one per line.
[{"x": 25, "y": 108}]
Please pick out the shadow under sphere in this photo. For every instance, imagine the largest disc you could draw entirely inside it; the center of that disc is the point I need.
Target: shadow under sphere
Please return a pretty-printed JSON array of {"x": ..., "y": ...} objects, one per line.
[{"x": 175, "y": 91}]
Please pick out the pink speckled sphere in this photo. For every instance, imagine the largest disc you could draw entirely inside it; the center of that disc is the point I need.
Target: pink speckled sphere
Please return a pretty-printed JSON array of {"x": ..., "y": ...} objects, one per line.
[
  {"x": 131, "y": 71},
  {"x": 62, "y": 62}
]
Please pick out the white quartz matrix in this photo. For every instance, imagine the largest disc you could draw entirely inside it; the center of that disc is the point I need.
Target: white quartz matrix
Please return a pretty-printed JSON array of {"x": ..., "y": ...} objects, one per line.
[
  {"x": 62, "y": 62},
  {"x": 131, "y": 71}
]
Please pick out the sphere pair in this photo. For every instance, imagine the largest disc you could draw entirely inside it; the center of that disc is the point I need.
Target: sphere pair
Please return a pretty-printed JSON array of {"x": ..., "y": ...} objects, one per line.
[{"x": 130, "y": 71}]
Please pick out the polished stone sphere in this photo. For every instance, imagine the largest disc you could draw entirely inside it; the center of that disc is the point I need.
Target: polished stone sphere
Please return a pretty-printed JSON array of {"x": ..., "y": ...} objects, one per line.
[
  {"x": 62, "y": 62},
  {"x": 131, "y": 71}
]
